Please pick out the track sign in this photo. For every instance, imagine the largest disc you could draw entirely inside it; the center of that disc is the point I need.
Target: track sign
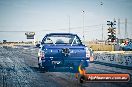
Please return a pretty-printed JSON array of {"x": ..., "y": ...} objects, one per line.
[{"x": 30, "y": 35}]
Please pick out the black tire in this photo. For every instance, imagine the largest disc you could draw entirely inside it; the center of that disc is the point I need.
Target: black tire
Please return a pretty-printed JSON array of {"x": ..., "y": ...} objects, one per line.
[
  {"x": 40, "y": 68},
  {"x": 81, "y": 79},
  {"x": 123, "y": 49}
]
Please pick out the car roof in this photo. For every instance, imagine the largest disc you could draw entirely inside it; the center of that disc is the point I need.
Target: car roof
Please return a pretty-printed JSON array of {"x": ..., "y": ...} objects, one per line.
[{"x": 61, "y": 34}]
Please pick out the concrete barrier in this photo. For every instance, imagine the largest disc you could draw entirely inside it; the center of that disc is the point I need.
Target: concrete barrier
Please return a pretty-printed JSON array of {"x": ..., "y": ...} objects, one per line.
[{"x": 114, "y": 57}]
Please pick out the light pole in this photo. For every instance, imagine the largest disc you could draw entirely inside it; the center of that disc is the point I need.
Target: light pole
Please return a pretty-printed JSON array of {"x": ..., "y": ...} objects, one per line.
[
  {"x": 101, "y": 3},
  {"x": 83, "y": 12}
]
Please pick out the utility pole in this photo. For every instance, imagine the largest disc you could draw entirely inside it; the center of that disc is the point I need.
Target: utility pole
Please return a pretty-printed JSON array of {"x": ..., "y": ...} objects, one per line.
[
  {"x": 69, "y": 23},
  {"x": 126, "y": 33},
  {"x": 118, "y": 28},
  {"x": 102, "y": 33}
]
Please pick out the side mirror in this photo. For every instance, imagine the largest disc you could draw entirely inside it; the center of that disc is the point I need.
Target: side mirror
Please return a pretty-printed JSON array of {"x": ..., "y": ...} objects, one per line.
[
  {"x": 38, "y": 45},
  {"x": 42, "y": 42}
]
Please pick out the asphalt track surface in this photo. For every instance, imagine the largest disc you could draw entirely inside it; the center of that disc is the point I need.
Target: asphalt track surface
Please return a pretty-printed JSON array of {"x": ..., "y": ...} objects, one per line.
[{"x": 18, "y": 68}]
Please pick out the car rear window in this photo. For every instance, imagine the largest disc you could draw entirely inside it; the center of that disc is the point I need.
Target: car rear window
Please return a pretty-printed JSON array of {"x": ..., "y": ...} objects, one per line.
[{"x": 62, "y": 39}]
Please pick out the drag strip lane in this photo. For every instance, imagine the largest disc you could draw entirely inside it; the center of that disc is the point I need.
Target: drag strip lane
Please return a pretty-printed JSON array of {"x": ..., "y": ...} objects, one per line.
[{"x": 18, "y": 68}]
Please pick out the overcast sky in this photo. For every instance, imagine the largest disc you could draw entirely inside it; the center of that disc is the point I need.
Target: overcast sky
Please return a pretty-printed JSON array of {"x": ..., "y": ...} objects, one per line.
[{"x": 45, "y": 16}]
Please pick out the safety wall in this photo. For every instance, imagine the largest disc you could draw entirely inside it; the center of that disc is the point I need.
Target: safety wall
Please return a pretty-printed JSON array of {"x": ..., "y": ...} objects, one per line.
[{"x": 114, "y": 57}]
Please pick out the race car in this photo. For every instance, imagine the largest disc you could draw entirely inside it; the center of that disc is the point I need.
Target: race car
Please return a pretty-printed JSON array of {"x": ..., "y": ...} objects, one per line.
[{"x": 63, "y": 52}]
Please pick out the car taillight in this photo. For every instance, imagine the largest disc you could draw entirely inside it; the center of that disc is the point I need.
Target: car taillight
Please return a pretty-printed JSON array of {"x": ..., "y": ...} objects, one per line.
[
  {"x": 87, "y": 53},
  {"x": 41, "y": 54}
]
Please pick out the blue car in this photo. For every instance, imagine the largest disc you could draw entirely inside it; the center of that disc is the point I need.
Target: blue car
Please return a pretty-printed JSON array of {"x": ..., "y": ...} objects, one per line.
[
  {"x": 128, "y": 47},
  {"x": 63, "y": 52}
]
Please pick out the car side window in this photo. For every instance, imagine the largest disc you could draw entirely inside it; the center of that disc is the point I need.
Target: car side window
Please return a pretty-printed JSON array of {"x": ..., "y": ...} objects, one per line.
[
  {"x": 74, "y": 40},
  {"x": 77, "y": 41},
  {"x": 48, "y": 41}
]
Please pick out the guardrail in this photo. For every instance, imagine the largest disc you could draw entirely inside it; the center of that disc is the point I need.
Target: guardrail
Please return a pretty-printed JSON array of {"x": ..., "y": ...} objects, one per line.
[{"x": 123, "y": 58}]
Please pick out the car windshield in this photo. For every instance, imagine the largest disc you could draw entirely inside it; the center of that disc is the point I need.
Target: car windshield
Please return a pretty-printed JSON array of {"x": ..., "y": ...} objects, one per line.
[{"x": 62, "y": 39}]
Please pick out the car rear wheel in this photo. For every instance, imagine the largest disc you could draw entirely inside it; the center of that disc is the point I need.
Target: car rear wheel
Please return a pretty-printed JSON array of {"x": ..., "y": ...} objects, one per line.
[{"x": 81, "y": 79}]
